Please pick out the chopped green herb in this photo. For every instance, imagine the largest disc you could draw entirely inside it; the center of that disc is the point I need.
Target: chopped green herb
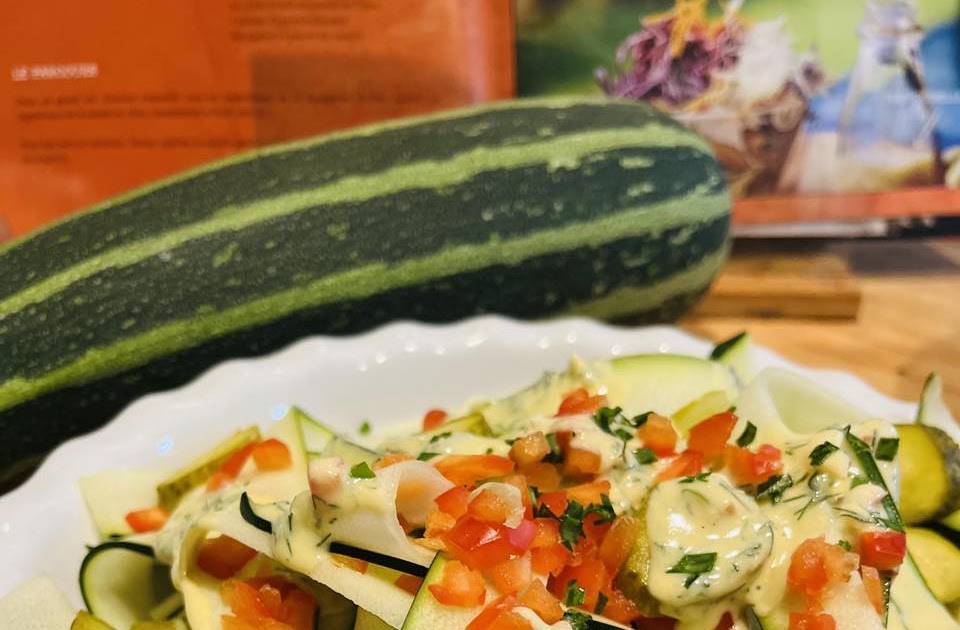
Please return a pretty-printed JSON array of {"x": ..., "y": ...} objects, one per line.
[
  {"x": 489, "y": 451},
  {"x": 362, "y": 471},
  {"x": 571, "y": 524},
  {"x": 440, "y": 436},
  {"x": 426, "y": 456},
  {"x": 601, "y": 604},
  {"x": 364, "y": 428},
  {"x": 645, "y": 456},
  {"x": 605, "y": 417},
  {"x": 534, "y": 493},
  {"x": 774, "y": 487},
  {"x": 577, "y": 620},
  {"x": 845, "y": 544},
  {"x": 862, "y": 452},
  {"x": 604, "y": 510},
  {"x": 886, "y": 449},
  {"x": 575, "y": 594},
  {"x": 623, "y": 434},
  {"x": 640, "y": 419},
  {"x": 822, "y": 452},
  {"x": 611, "y": 420},
  {"x": 859, "y": 480},
  {"x": 555, "y": 455},
  {"x": 698, "y": 477},
  {"x": 748, "y": 436},
  {"x": 695, "y": 563}
]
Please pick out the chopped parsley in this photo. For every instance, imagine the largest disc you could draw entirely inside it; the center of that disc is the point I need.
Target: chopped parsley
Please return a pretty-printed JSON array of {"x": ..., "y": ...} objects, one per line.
[
  {"x": 364, "y": 428},
  {"x": 774, "y": 487},
  {"x": 571, "y": 521},
  {"x": 844, "y": 544},
  {"x": 362, "y": 471},
  {"x": 698, "y": 477},
  {"x": 601, "y": 604},
  {"x": 440, "y": 436},
  {"x": 555, "y": 456},
  {"x": 748, "y": 436},
  {"x": 426, "y": 456},
  {"x": 644, "y": 456},
  {"x": 822, "y": 452},
  {"x": 575, "y": 594},
  {"x": 694, "y": 565},
  {"x": 577, "y": 620},
  {"x": 886, "y": 449},
  {"x": 612, "y": 420}
]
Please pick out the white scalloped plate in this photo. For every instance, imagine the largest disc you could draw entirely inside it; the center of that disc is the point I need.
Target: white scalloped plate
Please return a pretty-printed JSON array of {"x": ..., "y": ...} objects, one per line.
[{"x": 388, "y": 375}]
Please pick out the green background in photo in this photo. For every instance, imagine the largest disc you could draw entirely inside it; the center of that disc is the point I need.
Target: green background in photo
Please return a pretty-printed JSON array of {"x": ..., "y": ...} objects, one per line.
[{"x": 560, "y": 43}]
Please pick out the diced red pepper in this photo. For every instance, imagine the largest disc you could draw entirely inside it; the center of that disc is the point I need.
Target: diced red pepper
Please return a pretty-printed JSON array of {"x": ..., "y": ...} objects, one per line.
[
  {"x": 658, "y": 434},
  {"x": 271, "y": 454},
  {"x": 883, "y": 550},
  {"x": 587, "y": 493},
  {"x": 223, "y": 556},
  {"x": 489, "y": 507},
  {"x": 555, "y": 501},
  {"x": 550, "y": 559},
  {"x": 591, "y": 575},
  {"x": 454, "y": 501},
  {"x": 686, "y": 464},
  {"x": 269, "y": 604},
  {"x": 486, "y": 618},
  {"x": 230, "y": 468},
  {"x": 543, "y": 476},
  {"x": 459, "y": 586},
  {"x": 548, "y": 532},
  {"x": 815, "y": 564},
  {"x": 467, "y": 470},
  {"x": 746, "y": 466},
  {"x": 619, "y": 607},
  {"x": 478, "y": 545},
  {"x": 710, "y": 436},
  {"x": 580, "y": 401},
  {"x": 580, "y": 463},
  {"x": 148, "y": 520},
  {"x": 433, "y": 419}
]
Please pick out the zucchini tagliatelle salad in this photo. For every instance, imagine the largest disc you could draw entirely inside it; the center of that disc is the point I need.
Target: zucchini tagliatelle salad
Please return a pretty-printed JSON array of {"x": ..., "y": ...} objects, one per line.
[{"x": 651, "y": 491}]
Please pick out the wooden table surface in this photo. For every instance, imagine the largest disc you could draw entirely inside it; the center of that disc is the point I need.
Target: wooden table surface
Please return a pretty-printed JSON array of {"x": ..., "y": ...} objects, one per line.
[{"x": 908, "y": 323}]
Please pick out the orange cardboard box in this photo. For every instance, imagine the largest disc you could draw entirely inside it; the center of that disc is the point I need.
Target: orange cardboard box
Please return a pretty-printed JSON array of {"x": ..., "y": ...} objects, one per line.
[{"x": 101, "y": 96}]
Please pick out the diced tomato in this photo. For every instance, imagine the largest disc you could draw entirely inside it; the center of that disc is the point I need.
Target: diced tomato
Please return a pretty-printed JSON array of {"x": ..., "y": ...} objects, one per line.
[
  {"x": 812, "y": 621},
  {"x": 271, "y": 454},
  {"x": 580, "y": 401},
  {"x": 509, "y": 620},
  {"x": 587, "y": 493},
  {"x": 459, "y": 586},
  {"x": 529, "y": 449},
  {"x": 438, "y": 523},
  {"x": 523, "y": 487},
  {"x": 223, "y": 556},
  {"x": 543, "y": 476},
  {"x": 148, "y": 520},
  {"x": 710, "y": 436},
  {"x": 555, "y": 501},
  {"x": 265, "y": 604},
  {"x": 726, "y": 622},
  {"x": 745, "y": 466},
  {"x": 686, "y": 464},
  {"x": 478, "y": 545},
  {"x": 873, "y": 586},
  {"x": 548, "y": 532},
  {"x": 467, "y": 470},
  {"x": 537, "y": 598},
  {"x": 550, "y": 559},
  {"x": 816, "y": 564},
  {"x": 433, "y": 419},
  {"x": 389, "y": 459},
  {"x": 491, "y": 612},
  {"x": 619, "y": 607},
  {"x": 658, "y": 434},
  {"x": 230, "y": 468},
  {"x": 595, "y": 528},
  {"x": 591, "y": 575},
  {"x": 579, "y": 463},
  {"x": 409, "y": 583},
  {"x": 510, "y": 576},
  {"x": 521, "y": 536},
  {"x": 618, "y": 543},
  {"x": 454, "y": 501},
  {"x": 489, "y": 507},
  {"x": 883, "y": 550}
]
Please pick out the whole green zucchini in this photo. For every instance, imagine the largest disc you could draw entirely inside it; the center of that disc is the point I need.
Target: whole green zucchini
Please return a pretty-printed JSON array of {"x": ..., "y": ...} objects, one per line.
[{"x": 528, "y": 208}]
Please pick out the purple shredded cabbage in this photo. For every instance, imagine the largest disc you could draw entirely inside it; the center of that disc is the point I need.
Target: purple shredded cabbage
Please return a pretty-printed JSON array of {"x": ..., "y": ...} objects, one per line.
[{"x": 645, "y": 70}]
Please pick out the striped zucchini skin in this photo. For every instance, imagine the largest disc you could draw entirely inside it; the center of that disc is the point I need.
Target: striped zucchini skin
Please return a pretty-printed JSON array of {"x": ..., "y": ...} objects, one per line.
[{"x": 529, "y": 209}]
